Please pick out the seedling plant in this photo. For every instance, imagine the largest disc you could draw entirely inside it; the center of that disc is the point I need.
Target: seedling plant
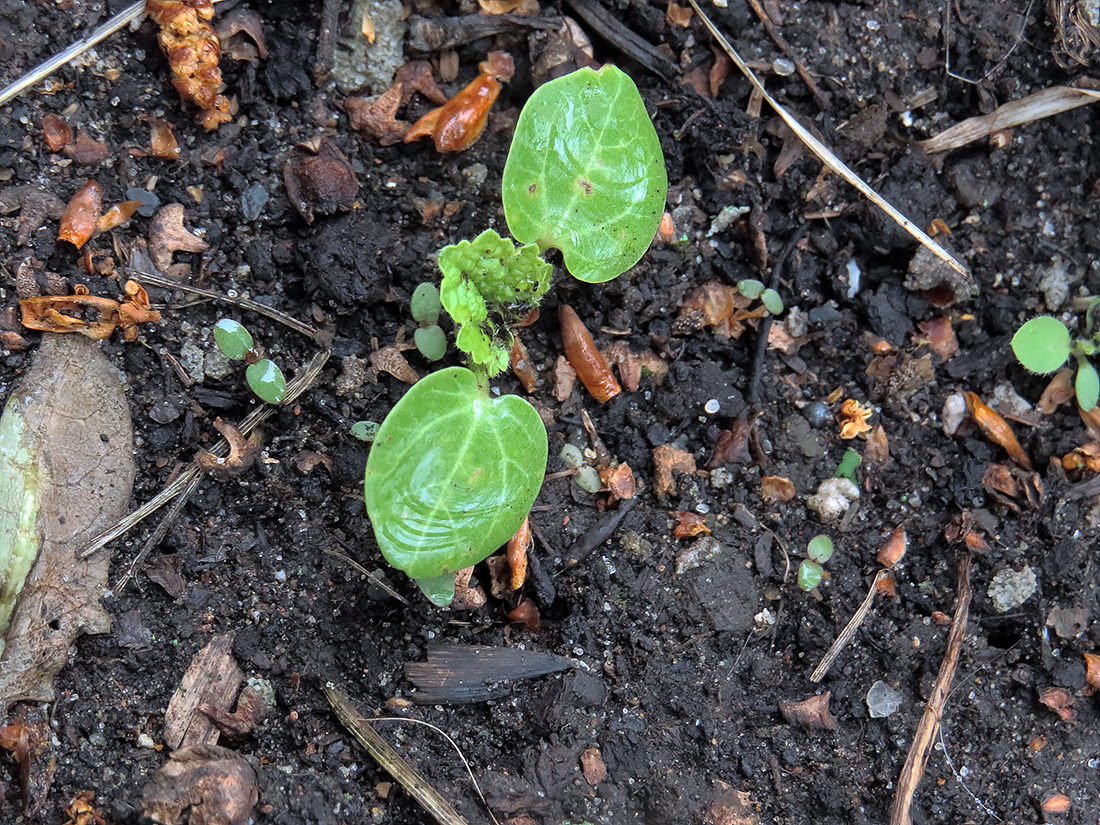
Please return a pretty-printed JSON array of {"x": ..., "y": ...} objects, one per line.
[
  {"x": 263, "y": 375},
  {"x": 1044, "y": 344},
  {"x": 454, "y": 469},
  {"x": 810, "y": 572}
]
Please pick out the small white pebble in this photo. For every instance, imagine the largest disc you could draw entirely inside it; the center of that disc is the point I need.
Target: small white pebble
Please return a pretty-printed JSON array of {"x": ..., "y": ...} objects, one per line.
[
  {"x": 712, "y": 406},
  {"x": 873, "y": 25}
]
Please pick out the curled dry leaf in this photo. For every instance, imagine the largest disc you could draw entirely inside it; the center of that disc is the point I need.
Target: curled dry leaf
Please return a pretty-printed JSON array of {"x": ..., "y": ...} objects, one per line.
[
  {"x": 619, "y": 481},
  {"x": 216, "y": 785},
  {"x": 853, "y": 419},
  {"x": 526, "y": 613},
  {"x": 188, "y": 40},
  {"x": 585, "y": 359},
  {"x": 35, "y": 206},
  {"x": 117, "y": 215},
  {"x": 518, "y": 547},
  {"x": 688, "y": 524},
  {"x": 520, "y": 363},
  {"x": 632, "y": 366},
  {"x": 135, "y": 310},
  {"x": 593, "y": 767},
  {"x": 81, "y": 811},
  {"x": 56, "y": 132},
  {"x": 1060, "y": 701},
  {"x": 939, "y": 335},
  {"x": 877, "y": 452},
  {"x": 89, "y": 315},
  {"x": 678, "y": 15},
  {"x": 78, "y": 224},
  {"x": 996, "y": 429},
  {"x": 467, "y": 597},
  {"x": 167, "y": 236},
  {"x": 67, "y": 473},
  {"x": 459, "y": 122},
  {"x": 1091, "y": 420},
  {"x": 894, "y": 549},
  {"x": 390, "y": 360},
  {"x": 811, "y": 714},
  {"x": 998, "y": 478},
  {"x": 321, "y": 182},
  {"x": 28, "y": 737},
  {"x": 416, "y": 76},
  {"x": 732, "y": 446},
  {"x": 668, "y": 460},
  {"x": 242, "y": 453},
  {"x": 1057, "y": 392},
  {"x": 1092, "y": 669},
  {"x": 776, "y": 488},
  {"x": 717, "y": 305},
  {"x": 241, "y": 34},
  {"x": 86, "y": 150},
  {"x": 376, "y": 116},
  {"x": 564, "y": 379},
  {"x": 162, "y": 140}
]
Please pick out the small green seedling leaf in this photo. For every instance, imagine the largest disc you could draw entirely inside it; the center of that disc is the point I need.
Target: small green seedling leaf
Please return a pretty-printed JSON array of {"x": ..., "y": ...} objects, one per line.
[
  {"x": 266, "y": 380},
  {"x": 848, "y": 464},
  {"x": 1042, "y": 345},
  {"x": 809, "y": 574},
  {"x": 771, "y": 301},
  {"x": 820, "y": 549},
  {"x": 365, "y": 430},
  {"x": 585, "y": 173},
  {"x": 488, "y": 276},
  {"x": 424, "y": 304},
  {"x": 1088, "y": 385},
  {"x": 750, "y": 288},
  {"x": 431, "y": 341},
  {"x": 451, "y": 476},
  {"x": 232, "y": 339}
]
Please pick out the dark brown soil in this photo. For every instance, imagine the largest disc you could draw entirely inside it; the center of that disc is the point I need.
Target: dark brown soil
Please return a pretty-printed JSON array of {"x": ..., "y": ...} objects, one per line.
[{"x": 679, "y": 674}]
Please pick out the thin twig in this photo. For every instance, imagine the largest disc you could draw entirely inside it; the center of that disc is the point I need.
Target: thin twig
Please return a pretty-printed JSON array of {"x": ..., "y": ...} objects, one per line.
[
  {"x": 933, "y": 711},
  {"x": 826, "y": 156},
  {"x": 348, "y": 560},
  {"x": 44, "y": 70},
  {"x": 295, "y": 387},
  {"x": 778, "y": 271},
  {"x": 820, "y": 98},
  {"x": 849, "y": 630},
  {"x": 154, "y": 279},
  {"x": 416, "y": 785}
]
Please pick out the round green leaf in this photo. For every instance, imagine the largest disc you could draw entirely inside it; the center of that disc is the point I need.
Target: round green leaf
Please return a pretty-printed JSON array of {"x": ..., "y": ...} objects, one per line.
[
  {"x": 750, "y": 287},
  {"x": 232, "y": 338},
  {"x": 772, "y": 301},
  {"x": 585, "y": 173},
  {"x": 1088, "y": 385},
  {"x": 451, "y": 476},
  {"x": 1042, "y": 344},
  {"x": 809, "y": 574},
  {"x": 266, "y": 380},
  {"x": 431, "y": 341},
  {"x": 820, "y": 549},
  {"x": 424, "y": 304},
  {"x": 365, "y": 430}
]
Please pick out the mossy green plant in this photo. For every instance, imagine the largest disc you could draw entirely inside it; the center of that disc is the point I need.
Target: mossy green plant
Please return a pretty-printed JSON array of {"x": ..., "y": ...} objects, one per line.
[{"x": 454, "y": 470}]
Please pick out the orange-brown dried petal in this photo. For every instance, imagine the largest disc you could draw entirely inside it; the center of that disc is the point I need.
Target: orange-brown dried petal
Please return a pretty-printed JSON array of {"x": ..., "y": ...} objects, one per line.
[
  {"x": 78, "y": 224},
  {"x": 996, "y": 429}
]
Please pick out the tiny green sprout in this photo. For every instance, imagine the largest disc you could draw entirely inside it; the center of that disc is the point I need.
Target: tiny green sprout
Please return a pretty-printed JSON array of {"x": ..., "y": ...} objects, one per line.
[
  {"x": 1044, "y": 344},
  {"x": 431, "y": 341},
  {"x": 232, "y": 339},
  {"x": 424, "y": 304},
  {"x": 266, "y": 380},
  {"x": 365, "y": 430},
  {"x": 848, "y": 464},
  {"x": 820, "y": 549},
  {"x": 753, "y": 289},
  {"x": 810, "y": 574}
]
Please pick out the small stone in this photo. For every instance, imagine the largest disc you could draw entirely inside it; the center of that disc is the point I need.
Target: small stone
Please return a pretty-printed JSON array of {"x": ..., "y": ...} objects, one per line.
[
  {"x": 253, "y": 200},
  {"x": 149, "y": 200},
  {"x": 1010, "y": 589},
  {"x": 882, "y": 700}
]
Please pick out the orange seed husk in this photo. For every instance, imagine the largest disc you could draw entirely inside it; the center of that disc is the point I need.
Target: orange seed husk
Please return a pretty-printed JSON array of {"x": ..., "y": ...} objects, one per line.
[
  {"x": 996, "y": 429},
  {"x": 518, "y": 546},
  {"x": 81, "y": 216},
  {"x": 894, "y": 548},
  {"x": 1056, "y": 803},
  {"x": 1092, "y": 669}
]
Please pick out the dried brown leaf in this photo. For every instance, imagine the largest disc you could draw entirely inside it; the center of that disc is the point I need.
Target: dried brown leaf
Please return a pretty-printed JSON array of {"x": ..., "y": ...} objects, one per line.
[
  {"x": 167, "y": 236},
  {"x": 78, "y": 224},
  {"x": 86, "y": 150},
  {"x": 76, "y": 429},
  {"x": 688, "y": 524},
  {"x": 996, "y": 429},
  {"x": 56, "y": 132},
  {"x": 812, "y": 713},
  {"x": 376, "y": 116},
  {"x": 877, "y": 452},
  {"x": 668, "y": 460},
  {"x": 939, "y": 335},
  {"x": 390, "y": 360},
  {"x": 776, "y": 488},
  {"x": 732, "y": 446},
  {"x": 1092, "y": 669},
  {"x": 1057, "y": 392},
  {"x": 1060, "y": 701}
]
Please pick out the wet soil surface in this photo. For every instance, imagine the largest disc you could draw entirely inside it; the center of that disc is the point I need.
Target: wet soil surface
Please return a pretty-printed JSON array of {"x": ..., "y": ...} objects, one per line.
[{"x": 682, "y": 649}]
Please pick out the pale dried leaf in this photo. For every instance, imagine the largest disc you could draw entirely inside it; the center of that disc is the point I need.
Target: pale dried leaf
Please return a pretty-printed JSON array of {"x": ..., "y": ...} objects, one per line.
[{"x": 76, "y": 430}]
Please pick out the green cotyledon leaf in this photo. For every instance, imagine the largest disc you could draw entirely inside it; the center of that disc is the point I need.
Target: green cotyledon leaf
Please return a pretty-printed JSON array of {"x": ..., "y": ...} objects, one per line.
[
  {"x": 451, "y": 476},
  {"x": 585, "y": 173}
]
